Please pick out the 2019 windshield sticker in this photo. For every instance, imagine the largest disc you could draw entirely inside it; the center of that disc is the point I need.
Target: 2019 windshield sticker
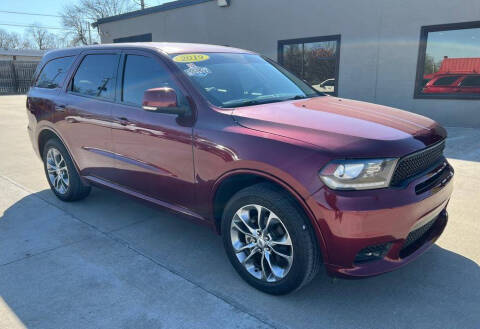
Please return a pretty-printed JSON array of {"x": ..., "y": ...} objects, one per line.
[
  {"x": 196, "y": 71},
  {"x": 189, "y": 58}
]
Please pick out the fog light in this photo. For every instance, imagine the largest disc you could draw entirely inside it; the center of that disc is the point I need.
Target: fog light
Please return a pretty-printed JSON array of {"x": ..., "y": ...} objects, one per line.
[{"x": 373, "y": 252}]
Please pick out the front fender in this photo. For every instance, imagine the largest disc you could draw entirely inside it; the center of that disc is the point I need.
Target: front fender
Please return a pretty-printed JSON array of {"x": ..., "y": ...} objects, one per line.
[{"x": 289, "y": 184}]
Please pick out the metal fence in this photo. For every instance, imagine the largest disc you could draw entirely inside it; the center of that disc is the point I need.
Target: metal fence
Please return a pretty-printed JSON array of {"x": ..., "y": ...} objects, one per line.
[{"x": 15, "y": 76}]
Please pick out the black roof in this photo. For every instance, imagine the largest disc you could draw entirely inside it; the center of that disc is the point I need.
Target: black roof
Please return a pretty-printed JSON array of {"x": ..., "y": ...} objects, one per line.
[{"x": 150, "y": 10}]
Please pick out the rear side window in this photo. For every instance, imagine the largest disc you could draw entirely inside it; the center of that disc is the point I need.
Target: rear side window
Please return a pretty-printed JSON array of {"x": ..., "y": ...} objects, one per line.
[
  {"x": 96, "y": 76},
  {"x": 446, "y": 81},
  {"x": 142, "y": 73},
  {"x": 471, "y": 81},
  {"x": 54, "y": 72}
]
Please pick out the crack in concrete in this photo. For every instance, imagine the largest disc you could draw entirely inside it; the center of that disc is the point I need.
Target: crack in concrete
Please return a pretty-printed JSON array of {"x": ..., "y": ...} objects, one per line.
[
  {"x": 124, "y": 243},
  {"x": 43, "y": 252}
]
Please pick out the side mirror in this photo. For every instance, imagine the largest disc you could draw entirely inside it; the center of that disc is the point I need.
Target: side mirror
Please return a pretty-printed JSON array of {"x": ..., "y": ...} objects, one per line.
[{"x": 162, "y": 100}]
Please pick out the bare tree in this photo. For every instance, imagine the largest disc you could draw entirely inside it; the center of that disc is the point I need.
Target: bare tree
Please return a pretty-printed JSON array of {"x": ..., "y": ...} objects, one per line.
[
  {"x": 41, "y": 38},
  {"x": 140, "y": 3},
  {"x": 25, "y": 43},
  {"x": 93, "y": 10},
  {"x": 9, "y": 40},
  {"x": 12, "y": 40},
  {"x": 78, "y": 17},
  {"x": 147, "y": 3},
  {"x": 75, "y": 22}
]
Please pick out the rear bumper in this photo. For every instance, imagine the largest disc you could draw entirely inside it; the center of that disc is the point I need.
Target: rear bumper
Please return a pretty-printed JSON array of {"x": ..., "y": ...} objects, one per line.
[
  {"x": 31, "y": 135},
  {"x": 350, "y": 221},
  {"x": 31, "y": 129}
]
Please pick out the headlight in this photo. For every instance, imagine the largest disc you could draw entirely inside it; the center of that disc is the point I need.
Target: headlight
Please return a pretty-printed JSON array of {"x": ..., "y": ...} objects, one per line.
[{"x": 362, "y": 174}]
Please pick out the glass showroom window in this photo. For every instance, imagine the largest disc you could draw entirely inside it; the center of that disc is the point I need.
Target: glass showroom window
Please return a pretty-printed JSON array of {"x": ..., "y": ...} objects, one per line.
[
  {"x": 315, "y": 60},
  {"x": 449, "y": 61}
]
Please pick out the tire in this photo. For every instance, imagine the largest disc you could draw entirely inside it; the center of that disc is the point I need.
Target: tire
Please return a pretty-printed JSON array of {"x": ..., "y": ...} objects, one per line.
[
  {"x": 279, "y": 275},
  {"x": 75, "y": 189}
]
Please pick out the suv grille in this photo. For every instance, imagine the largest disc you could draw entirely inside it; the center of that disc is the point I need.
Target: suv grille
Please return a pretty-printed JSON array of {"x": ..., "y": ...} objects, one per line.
[
  {"x": 416, "y": 236},
  {"x": 415, "y": 163}
]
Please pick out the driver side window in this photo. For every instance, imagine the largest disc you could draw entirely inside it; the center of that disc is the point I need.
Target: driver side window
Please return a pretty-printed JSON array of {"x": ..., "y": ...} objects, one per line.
[{"x": 142, "y": 73}]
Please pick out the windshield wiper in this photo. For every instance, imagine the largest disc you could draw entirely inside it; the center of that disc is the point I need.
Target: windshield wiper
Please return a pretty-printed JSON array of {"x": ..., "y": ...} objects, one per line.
[
  {"x": 295, "y": 97},
  {"x": 250, "y": 102}
]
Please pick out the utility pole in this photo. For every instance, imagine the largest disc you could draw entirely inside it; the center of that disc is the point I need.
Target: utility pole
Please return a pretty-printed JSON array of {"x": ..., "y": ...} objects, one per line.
[
  {"x": 89, "y": 34},
  {"x": 142, "y": 4}
]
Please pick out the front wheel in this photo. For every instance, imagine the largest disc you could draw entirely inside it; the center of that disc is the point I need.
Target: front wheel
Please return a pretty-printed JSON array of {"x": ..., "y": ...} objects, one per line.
[{"x": 269, "y": 240}]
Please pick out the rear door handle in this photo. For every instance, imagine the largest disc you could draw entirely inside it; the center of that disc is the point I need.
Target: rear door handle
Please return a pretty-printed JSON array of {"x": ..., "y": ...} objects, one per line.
[{"x": 60, "y": 108}]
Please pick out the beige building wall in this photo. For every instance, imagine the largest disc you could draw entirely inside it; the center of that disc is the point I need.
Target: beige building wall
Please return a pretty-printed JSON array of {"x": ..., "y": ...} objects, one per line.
[{"x": 379, "y": 40}]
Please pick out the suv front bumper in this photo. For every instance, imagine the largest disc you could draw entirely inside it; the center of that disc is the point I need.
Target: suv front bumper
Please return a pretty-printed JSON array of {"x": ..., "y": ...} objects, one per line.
[{"x": 405, "y": 224}]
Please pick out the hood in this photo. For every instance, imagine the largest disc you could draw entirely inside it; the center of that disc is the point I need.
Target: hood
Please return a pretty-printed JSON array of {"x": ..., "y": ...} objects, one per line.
[{"x": 345, "y": 128}]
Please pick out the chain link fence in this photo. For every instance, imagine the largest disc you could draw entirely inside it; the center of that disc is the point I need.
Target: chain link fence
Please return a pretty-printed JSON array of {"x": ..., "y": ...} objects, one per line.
[{"x": 15, "y": 77}]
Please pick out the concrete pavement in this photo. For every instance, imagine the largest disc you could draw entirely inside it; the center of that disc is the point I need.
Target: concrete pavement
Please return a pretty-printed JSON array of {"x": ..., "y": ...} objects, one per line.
[{"x": 112, "y": 262}]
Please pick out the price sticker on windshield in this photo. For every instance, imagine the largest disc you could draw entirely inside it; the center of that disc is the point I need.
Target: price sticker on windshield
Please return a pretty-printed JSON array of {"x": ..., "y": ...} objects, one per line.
[{"x": 189, "y": 58}]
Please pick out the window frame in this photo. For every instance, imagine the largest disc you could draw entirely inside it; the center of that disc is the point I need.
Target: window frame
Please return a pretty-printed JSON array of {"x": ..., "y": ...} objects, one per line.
[
  {"x": 453, "y": 78},
  {"x": 79, "y": 63},
  {"x": 461, "y": 85},
  {"x": 121, "y": 75},
  {"x": 334, "y": 37},
  {"x": 422, "y": 50},
  {"x": 62, "y": 82},
  {"x": 158, "y": 59}
]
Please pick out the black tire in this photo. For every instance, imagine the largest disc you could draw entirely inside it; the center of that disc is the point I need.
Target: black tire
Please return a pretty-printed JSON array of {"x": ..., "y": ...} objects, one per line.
[
  {"x": 76, "y": 189},
  {"x": 306, "y": 260}
]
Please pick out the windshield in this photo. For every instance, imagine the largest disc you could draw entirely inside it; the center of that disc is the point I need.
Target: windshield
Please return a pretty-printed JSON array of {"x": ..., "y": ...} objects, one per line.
[{"x": 235, "y": 80}]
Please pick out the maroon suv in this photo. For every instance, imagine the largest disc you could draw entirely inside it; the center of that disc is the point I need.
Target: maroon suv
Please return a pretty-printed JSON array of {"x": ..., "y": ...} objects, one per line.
[{"x": 290, "y": 177}]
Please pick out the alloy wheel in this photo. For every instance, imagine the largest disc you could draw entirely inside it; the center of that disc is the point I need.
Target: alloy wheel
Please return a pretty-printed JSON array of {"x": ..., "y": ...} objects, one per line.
[
  {"x": 261, "y": 243},
  {"x": 57, "y": 171}
]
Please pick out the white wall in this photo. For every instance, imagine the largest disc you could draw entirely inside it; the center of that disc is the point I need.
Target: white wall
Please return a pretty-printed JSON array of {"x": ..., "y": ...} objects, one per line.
[{"x": 379, "y": 40}]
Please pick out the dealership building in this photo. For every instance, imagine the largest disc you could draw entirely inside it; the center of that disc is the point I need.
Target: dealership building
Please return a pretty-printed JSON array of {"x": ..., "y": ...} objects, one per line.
[{"x": 421, "y": 56}]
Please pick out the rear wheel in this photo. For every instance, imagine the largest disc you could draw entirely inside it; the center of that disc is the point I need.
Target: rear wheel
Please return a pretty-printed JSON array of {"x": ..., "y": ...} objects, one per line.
[
  {"x": 269, "y": 240},
  {"x": 61, "y": 173}
]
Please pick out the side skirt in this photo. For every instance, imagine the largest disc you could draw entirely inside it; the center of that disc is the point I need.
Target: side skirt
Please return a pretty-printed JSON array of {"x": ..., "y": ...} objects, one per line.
[{"x": 192, "y": 216}]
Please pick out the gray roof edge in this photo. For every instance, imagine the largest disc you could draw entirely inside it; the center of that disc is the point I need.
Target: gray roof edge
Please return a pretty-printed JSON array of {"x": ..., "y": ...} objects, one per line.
[{"x": 164, "y": 7}]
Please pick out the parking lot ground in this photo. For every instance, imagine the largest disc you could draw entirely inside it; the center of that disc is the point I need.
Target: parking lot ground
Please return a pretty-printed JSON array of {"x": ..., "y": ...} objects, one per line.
[{"x": 112, "y": 262}]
